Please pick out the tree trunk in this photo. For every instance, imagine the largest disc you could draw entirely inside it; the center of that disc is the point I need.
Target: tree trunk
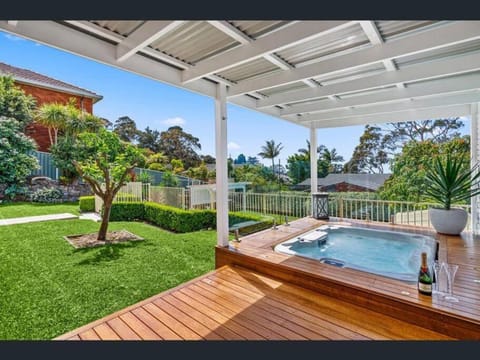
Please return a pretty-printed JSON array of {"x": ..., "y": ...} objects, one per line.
[{"x": 107, "y": 206}]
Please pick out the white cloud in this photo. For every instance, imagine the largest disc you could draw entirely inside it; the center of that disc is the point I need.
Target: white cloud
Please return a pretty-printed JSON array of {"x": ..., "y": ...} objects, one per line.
[
  {"x": 176, "y": 121},
  {"x": 13, "y": 37},
  {"x": 233, "y": 146}
]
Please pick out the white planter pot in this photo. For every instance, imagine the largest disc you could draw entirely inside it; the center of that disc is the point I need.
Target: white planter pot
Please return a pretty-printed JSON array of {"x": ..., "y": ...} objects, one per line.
[{"x": 450, "y": 222}]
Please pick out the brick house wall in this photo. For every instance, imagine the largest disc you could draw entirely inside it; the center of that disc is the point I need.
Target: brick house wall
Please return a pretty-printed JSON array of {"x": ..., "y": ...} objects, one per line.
[{"x": 43, "y": 95}]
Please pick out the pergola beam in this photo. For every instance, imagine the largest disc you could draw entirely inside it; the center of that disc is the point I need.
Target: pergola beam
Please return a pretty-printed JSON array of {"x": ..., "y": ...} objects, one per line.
[
  {"x": 12, "y": 22},
  {"x": 371, "y": 30},
  {"x": 144, "y": 36},
  {"x": 423, "y": 71},
  {"x": 389, "y": 108},
  {"x": 436, "y": 87},
  {"x": 448, "y": 35},
  {"x": 407, "y": 115},
  {"x": 291, "y": 35},
  {"x": 232, "y": 31}
]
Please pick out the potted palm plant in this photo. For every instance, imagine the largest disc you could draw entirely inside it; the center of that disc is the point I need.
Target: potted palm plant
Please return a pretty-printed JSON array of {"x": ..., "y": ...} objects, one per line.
[{"x": 450, "y": 181}]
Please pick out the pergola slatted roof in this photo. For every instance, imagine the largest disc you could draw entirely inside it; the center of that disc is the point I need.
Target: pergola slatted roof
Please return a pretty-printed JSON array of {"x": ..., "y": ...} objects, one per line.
[{"x": 312, "y": 73}]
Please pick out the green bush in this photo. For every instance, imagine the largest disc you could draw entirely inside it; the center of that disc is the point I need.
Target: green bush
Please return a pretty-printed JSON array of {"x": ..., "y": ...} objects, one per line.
[
  {"x": 47, "y": 195},
  {"x": 178, "y": 220},
  {"x": 87, "y": 203},
  {"x": 127, "y": 211}
]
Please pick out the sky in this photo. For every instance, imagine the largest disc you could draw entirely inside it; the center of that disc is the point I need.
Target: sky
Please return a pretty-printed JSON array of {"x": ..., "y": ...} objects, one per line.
[{"x": 159, "y": 106}]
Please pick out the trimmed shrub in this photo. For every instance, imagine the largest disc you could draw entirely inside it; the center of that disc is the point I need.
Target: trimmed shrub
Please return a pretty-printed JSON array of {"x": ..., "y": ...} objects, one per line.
[
  {"x": 127, "y": 211},
  {"x": 47, "y": 195},
  {"x": 87, "y": 203},
  {"x": 179, "y": 220}
]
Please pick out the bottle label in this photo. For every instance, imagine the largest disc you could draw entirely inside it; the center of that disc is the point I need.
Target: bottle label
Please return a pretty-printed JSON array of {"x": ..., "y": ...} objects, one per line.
[{"x": 425, "y": 287}]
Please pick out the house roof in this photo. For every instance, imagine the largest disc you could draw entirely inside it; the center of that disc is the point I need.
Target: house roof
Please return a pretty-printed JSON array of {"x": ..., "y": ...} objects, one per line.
[
  {"x": 316, "y": 74},
  {"x": 368, "y": 181},
  {"x": 29, "y": 77}
]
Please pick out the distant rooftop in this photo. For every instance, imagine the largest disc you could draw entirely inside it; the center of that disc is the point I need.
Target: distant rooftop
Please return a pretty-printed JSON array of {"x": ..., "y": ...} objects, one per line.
[
  {"x": 32, "y": 78},
  {"x": 368, "y": 181}
]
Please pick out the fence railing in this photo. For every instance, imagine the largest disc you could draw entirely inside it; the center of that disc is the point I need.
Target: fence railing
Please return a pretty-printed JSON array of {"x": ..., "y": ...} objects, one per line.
[
  {"x": 291, "y": 205},
  {"x": 395, "y": 212}
]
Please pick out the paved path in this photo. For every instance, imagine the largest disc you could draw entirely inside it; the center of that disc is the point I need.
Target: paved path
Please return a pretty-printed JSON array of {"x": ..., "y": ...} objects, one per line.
[
  {"x": 29, "y": 219},
  {"x": 90, "y": 216}
]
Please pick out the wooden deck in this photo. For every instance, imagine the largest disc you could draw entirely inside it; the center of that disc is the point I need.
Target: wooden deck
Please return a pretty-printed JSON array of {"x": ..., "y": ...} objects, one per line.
[
  {"x": 388, "y": 296},
  {"x": 233, "y": 303}
]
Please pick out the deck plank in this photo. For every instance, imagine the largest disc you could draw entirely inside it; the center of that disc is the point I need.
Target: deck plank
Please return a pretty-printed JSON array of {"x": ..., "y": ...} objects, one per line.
[{"x": 235, "y": 303}]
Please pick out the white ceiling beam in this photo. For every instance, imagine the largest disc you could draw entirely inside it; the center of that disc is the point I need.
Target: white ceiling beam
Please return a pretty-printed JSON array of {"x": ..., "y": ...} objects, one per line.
[
  {"x": 423, "y": 71},
  {"x": 450, "y": 34},
  {"x": 371, "y": 30},
  {"x": 291, "y": 35},
  {"x": 436, "y": 87},
  {"x": 112, "y": 36},
  {"x": 12, "y": 22},
  {"x": 408, "y": 115},
  {"x": 78, "y": 43},
  {"x": 416, "y": 104},
  {"x": 232, "y": 31},
  {"x": 144, "y": 36}
]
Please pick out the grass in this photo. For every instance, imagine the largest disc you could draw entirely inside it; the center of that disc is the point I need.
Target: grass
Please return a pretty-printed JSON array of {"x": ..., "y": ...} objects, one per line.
[
  {"x": 20, "y": 209},
  {"x": 49, "y": 288}
]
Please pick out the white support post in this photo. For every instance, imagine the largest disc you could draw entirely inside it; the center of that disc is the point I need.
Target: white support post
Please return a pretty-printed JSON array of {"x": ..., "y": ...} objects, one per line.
[
  {"x": 474, "y": 158},
  {"x": 221, "y": 165},
  {"x": 313, "y": 162}
]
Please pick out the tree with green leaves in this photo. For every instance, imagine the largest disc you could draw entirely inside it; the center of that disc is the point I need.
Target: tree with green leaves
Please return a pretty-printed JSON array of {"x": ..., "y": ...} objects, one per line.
[
  {"x": 104, "y": 162},
  {"x": 175, "y": 143},
  {"x": 14, "y": 103},
  {"x": 126, "y": 129},
  {"x": 407, "y": 182},
  {"x": 270, "y": 151},
  {"x": 436, "y": 130},
  {"x": 370, "y": 155},
  {"x": 149, "y": 139},
  {"x": 15, "y": 154},
  {"x": 240, "y": 160}
]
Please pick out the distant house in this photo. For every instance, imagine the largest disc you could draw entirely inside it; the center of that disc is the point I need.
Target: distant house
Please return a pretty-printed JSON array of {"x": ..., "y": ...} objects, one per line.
[
  {"x": 47, "y": 90},
  {"x": 346, "y": 182}
]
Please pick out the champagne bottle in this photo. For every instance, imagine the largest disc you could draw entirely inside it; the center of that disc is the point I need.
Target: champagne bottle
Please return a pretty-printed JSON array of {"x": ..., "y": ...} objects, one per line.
[{"x": 424, "y": 278}]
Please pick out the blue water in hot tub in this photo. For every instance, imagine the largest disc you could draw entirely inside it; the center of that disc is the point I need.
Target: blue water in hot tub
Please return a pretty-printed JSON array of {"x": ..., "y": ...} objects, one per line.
[{"x": 387, "y": 253}]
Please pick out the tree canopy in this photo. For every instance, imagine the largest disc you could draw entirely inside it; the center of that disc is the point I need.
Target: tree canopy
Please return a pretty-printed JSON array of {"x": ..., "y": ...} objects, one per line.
[
  {"x": 126, "y": 129},
  {"x": 175, "y": 143},
  {"x": 104, "y": 161},
  {"x": 15, "y": 153},
  {"x": 14, "y": 103}
]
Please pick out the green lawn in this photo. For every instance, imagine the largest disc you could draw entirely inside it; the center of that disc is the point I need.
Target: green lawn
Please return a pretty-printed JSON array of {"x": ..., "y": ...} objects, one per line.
[
  {"x": 48, "y": 288},
  {"x": 13, "y": 210}
]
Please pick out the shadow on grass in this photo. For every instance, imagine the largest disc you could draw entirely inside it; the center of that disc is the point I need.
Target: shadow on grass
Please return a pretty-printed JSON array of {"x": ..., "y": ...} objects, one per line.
[{"x": 109, "y": 252}]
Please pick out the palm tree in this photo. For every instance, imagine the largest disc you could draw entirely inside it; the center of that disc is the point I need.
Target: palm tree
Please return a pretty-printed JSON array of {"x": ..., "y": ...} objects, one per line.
[
  {"x": 332, "y": 158},
  {"x": 306, "y": 151},
  {"x": 53, "y": 116},
  {"x": 270, "y": 151}
]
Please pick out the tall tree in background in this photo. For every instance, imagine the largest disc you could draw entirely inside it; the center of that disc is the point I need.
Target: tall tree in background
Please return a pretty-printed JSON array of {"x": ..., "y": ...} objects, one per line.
[
  {"x": 407, "y": 182},
  {"x": 270, "y": 151},
  {"x": 370, "y": 155},
  {"x": 331, "y": 159},
  {"x": 178, "y": 144},
  {"x": 14, "y": 103},
  {"x": 240, "y": 160},
  {"x": 207, "y": 159},
  {"x": 126, "y": 129},
  {"x": 149, "y": 139},
  {"x": 437, "y": 130}
]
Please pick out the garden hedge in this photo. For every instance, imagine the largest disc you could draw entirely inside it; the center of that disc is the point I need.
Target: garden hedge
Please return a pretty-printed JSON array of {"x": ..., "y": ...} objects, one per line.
[
  {"x": 87, "y": 203},
  {"x": 178, "y": 220}
]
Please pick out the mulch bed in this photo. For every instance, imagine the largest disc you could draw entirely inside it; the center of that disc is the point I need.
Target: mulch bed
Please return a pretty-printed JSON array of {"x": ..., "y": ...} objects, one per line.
[{"x": 90, "y": 240}]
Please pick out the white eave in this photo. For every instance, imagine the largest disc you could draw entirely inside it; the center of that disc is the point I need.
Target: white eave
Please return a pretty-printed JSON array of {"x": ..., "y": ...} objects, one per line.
[{"x": 312, "y": 73}]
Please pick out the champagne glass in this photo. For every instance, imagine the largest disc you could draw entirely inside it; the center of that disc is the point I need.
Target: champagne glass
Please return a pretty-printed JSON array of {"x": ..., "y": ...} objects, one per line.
[
  {"x": 436, "y": 271},
  {"x": 451, "y": 272}
]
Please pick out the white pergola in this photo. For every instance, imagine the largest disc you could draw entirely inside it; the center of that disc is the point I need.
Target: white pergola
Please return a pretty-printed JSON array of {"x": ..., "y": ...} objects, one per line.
[{"x": 315, "y": 74}]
